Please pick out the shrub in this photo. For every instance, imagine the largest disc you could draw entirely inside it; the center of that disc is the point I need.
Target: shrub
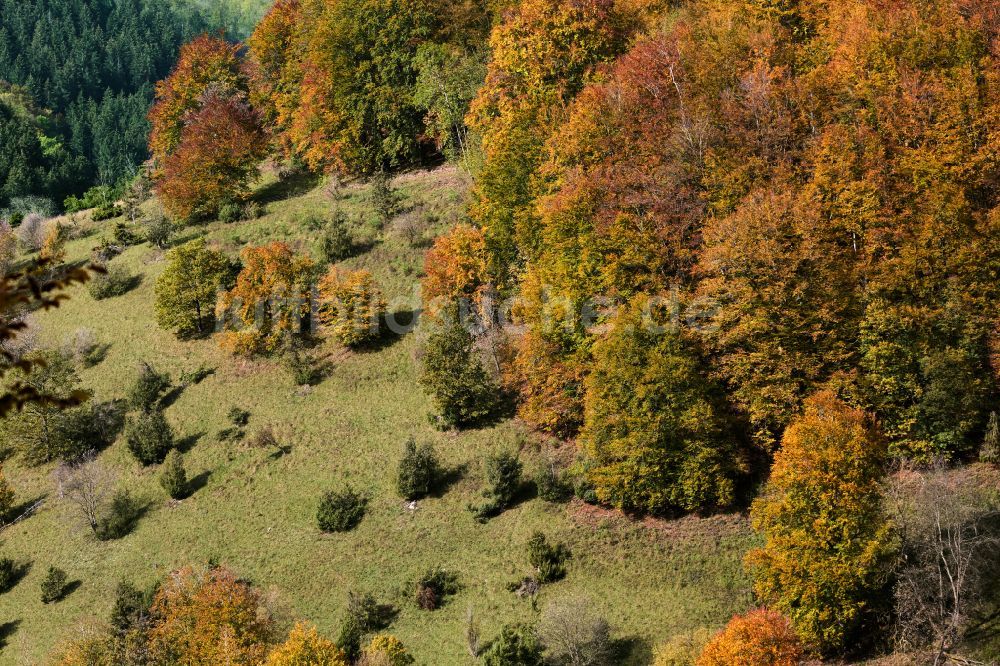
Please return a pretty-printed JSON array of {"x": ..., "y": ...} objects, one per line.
[
  {"x": 120, "y": 517},
  {"x": 517, "y": 645},
  {"x": 6, "y": 497},
  {"x": 31, "y": 232},
  {"x": 159, "y": 228},
  {"x": 503, "y": 481},
  {"x": 454, "y": 376},
  {"x": 548, "y": 560},
  {"x": 230, "y": 212},
  {"x": 385, "y": 199},
  {"x": 385, "y": 650},
  {"x": 106, "y": 212},
  {"x": 760, "y": 638},
  {"x": 84, "y": 348},
  {"x": 149, "y": 437},
  {"x": 340, "y": 511},
  {"x": 364, "y": 614},
  {"x": 239, "y": 417},
  {"x": 173, "y": 477},
  {"x": 336, "y": 244},
  {"x": 574, "y": 635},
  {"x": 434, "y": 586},
  {"x": 683, "y": 649},
  {"x": 186, "y": 290},
  {"x": 351, "y": 306},
  {"x": 8, "y": 573},
  {"x": 105, "y": 251},
  {"x": 552, "y": 487},
  {"x": 131, "y": 607},
  {"x": 419, "y": 471},
  {"x": 252, "y": 210},
  {"x": 305, "y": 647},
  {"x": 117, "y": 281},
  {"x": 53, "y": 585},
  {"x": 149, "y": 387},
  {"x": 303, "y": 368},
  {"x": 191, "y": 377}
]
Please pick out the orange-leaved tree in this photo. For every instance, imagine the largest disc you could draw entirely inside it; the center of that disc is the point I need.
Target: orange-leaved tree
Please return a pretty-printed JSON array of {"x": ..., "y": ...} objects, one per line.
[
  {"x": 270, "y": 305},
  {"x": 828, "y": 545},
  {"x": 216, "y": 159},
  {"x": 761, "y": 637},
  {"x": 209, "y": 618},
  {"x": 455, "y": 267},
  {"x": 203, "y": 62}
]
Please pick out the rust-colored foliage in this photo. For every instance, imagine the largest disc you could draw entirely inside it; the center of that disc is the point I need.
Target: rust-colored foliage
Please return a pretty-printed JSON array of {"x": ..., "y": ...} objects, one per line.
[
  {"x": 761, "y": 637},
  {"x": 270, "y": 304},
  {"x": 455, "y": 267},
  {"x": 209, "y": 618},
  {"x": 204, "y": 62},
  {"x": 216, "y": 159}
]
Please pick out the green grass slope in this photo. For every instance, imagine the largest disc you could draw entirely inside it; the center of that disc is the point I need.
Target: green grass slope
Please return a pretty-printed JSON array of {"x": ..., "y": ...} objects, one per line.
[{"x": 256, "y": 512}]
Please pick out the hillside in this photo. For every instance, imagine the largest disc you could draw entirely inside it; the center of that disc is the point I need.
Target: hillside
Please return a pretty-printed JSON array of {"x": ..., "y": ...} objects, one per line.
[{"x": 255, "y": 512}]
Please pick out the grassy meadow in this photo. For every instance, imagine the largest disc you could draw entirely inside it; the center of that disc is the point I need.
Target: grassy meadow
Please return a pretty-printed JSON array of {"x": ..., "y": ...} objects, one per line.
[{"x": 254, "y": 510}]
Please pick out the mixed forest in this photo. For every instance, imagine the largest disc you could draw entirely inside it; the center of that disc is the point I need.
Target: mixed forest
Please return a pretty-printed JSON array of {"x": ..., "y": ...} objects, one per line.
[{"x": 689, "y": 305}]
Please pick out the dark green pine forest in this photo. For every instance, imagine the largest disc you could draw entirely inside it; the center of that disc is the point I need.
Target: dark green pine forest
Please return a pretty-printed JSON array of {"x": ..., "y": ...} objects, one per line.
[{"x": 76, "y": 82}]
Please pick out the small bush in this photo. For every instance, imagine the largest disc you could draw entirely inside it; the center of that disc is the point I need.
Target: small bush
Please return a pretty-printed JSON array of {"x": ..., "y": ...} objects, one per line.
[
  {"x": 84, "y": 348},
  {"x": 433, "y": 587},
  {"x": 31, "y": 232},
  {"x": 173, "y": 477},
  {"x": 364, "y": 614},
  {"x": 53, "y": 585},
  {"x": 120, "y": 517},
  {"x": 149, "y": 387},
  {"x": 192, "y": 377},
  {"x": 8, "y": 573},
  {"x": 230, "y": 212},
  {"x": 303, "y": 368},
  {"x": 385, "y": 650},
  {"x": 149, "y": 437},
  {"x": 116, "y": 282},
  {"x": 990, "y": 450},
  {"x": 384, "y": 198},
  {"x": 351, "y": 306},
  {"x": 340, "y": 511},
  {"x": 419, "y": 471},
  {"x": 6, "y": 497},
  {"x": 548, "y": 560},
  {"x": 682, "y": 649},
  {"x": 158, "y": 230},
  {"x": 552, "y": 487},
  {"x": 131, "y": 607},
  {"x": 761, "y": 636},
  {"x": 336, "y": 244},
  {"x": 106, "y": 212},
  {"x": 574, "y": 635},
  {"x": 252, "y": 210},
  {"x": 105, "y": 251},
  {"x": 238, "y": 417},
  {"x": 503, "y": 482},
  {"x": 517, "y": 645}
]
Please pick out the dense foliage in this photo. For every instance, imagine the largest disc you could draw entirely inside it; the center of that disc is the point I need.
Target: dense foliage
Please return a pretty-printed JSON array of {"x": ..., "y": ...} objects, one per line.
[{"x": 92, "y": 64}]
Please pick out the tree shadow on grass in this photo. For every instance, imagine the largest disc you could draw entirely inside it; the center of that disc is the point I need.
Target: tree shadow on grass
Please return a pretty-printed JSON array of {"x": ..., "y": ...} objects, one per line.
[
  {"x": 19, "y": 510},
  {"x": 7, "y": 630},
  {"x": 185, "y": 444},
  {"x": 449, "y": 477},
  {"x": 285, "y": 188},
  {"x": 70, "y": 588},
  {"x": 392, "y": 328},
  {"x": 196, "y": 483},
  {"x": 632, "y": 650},
  {"x": 20, "y": 570}
]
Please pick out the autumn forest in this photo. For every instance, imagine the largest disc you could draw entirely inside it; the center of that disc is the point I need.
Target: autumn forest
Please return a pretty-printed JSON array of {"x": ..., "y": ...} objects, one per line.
[{"x": 503, "y": 332}]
